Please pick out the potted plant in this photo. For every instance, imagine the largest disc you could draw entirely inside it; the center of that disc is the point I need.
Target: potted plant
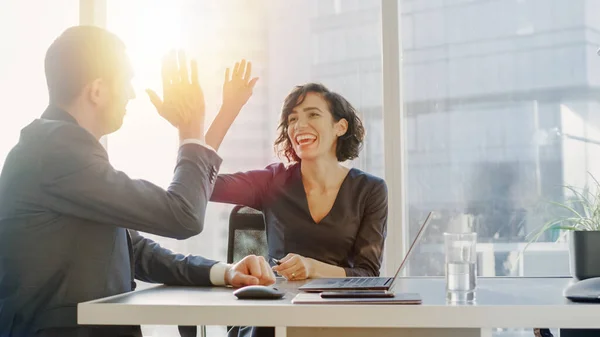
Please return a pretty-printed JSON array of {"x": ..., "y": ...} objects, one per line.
[{"x": 579, "y": 220}]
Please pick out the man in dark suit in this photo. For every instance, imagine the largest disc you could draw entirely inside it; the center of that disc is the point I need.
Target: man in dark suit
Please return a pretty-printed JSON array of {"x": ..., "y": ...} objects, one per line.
[{"x": 69, "y": 220}]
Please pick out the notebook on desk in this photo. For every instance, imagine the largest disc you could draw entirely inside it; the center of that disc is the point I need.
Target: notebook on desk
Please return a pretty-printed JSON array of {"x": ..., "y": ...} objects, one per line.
[
  {"x": 399, "y": 298},
  {"x": 364, "y": 283}
]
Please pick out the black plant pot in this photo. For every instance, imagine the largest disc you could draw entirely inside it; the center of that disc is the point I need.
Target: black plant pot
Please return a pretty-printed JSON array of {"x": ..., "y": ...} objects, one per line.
[{"x": 584, "y": 251}]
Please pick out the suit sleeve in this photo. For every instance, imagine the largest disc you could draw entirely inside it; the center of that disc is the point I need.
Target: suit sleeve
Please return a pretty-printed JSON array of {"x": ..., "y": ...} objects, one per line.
[
  {"x": 245, "y": 188},
  {"x": 156, "y": 264},
  {"x": 79, "y": 181},
  {"x": 368, "y": 247}
]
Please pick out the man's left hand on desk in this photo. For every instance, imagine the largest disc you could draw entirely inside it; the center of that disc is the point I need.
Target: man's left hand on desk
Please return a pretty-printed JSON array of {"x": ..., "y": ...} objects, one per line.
[{"x": 251, "y": 270}]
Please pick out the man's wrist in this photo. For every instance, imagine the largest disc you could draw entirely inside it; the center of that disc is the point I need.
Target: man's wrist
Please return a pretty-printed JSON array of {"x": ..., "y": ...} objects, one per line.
[
  {"x": 196, "y": 141},
  {"x": 192, "y": 133},
  {"x": 228, "y": 274},
  {"x": 218, "y": 274}
]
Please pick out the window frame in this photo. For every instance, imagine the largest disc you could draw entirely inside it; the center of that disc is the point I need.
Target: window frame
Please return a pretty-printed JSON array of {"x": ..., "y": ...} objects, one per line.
[
  {"x": 393, "y": 129},
  {"x": 93, "y": 13}
]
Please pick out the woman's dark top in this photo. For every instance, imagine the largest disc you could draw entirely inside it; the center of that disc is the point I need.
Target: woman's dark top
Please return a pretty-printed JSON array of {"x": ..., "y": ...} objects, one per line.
[{"x": 350, "y": 236}]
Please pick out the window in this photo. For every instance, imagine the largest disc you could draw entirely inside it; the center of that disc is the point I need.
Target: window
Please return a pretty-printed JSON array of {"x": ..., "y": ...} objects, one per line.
[
  {"x": 279, "y": 42},
  {"x": 500, "y": 101},
  {"x": 289, "y": 43},
  {"x": 26, "y": 34}
]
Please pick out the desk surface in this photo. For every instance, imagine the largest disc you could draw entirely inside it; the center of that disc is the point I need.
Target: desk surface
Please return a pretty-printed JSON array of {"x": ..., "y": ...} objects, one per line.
[{"x": 501, "y": 302}]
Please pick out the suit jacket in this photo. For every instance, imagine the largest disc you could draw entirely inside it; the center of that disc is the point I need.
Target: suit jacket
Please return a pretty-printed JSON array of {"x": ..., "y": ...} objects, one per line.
[{"x": 69, "y": 222}]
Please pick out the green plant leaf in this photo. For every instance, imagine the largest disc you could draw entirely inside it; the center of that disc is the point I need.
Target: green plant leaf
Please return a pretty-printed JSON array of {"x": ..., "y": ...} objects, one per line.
[
  {"x": 582, "y": 214},
  {"x": 567, "y": 208},
  {"x": 586, "y": 204}
]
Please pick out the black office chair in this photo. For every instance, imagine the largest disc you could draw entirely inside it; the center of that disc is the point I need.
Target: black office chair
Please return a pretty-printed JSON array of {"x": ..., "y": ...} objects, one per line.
[{"x": 247, "y": 234}]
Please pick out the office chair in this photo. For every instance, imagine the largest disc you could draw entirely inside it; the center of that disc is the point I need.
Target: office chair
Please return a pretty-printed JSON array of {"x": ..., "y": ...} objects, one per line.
[{"x": 246, "y": 236}]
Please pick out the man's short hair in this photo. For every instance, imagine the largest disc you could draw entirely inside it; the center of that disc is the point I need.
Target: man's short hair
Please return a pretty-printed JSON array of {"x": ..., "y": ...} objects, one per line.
[{"x": 77, "y": 57}]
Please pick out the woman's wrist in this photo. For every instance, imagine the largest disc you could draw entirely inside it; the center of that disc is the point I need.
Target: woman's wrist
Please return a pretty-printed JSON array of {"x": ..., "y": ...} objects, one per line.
[
  {"x": 311, "y": 268},
  {"x": 229, "y": 110}
]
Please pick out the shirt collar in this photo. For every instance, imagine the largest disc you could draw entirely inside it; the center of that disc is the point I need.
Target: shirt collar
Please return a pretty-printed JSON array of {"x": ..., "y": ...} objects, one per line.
[{"x": 53, "y": 112}]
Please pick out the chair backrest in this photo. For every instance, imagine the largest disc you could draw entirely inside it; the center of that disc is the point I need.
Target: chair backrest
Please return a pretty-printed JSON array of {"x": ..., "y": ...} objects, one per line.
[{"x": 246, "y": 234}]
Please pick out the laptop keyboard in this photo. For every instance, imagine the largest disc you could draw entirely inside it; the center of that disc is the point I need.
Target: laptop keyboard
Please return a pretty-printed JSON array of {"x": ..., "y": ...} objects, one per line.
[{"x": 363, "y": 282}]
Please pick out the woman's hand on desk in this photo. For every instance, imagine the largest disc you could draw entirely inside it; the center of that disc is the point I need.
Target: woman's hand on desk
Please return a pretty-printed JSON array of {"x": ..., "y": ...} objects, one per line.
[
  {"x": 251, "y": 270},
  {"x": 297, "y": 267},
  {"x": 294, "y": 267}
]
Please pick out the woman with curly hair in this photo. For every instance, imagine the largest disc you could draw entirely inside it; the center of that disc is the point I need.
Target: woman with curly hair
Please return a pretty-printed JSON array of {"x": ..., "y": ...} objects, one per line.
[{"x": 322, "y": 218}]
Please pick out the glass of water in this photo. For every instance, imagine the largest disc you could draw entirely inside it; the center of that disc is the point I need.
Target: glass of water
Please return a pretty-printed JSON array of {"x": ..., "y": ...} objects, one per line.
[{"x": 461, "y": 267}]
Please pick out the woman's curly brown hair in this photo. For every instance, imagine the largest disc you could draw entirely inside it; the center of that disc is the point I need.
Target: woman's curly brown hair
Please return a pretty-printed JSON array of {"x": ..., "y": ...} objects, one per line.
[{"x": 348, "y": 146}]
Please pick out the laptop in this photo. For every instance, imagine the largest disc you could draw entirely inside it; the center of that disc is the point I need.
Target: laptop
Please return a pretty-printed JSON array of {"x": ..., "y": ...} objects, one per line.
[{"x": 363, "y": 283}]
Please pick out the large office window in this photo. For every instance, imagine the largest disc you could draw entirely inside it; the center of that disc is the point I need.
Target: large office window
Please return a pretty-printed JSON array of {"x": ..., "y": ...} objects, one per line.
[
  {"x": 27, "y": 28},
  {"x": 289, "y": 42},
  {"x": 498, "y": 102},
  {"x": 501, "y": 104}
]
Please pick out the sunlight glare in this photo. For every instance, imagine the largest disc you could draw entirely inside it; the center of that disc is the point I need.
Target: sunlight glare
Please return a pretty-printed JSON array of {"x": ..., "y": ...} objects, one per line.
[{"x": 153, "y": 33}]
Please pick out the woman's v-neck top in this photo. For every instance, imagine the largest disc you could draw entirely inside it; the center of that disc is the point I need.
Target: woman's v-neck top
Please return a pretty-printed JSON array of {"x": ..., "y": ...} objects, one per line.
[{"x": 350, "y": 236}]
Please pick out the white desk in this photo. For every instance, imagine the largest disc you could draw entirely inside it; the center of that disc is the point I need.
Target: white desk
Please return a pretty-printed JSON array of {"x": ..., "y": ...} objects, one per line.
[{"x": 501, "y": 302}]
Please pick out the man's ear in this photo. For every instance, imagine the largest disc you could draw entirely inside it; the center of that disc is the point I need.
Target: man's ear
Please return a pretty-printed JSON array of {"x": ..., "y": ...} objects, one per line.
[
  {"x": 97, "y": 91},
  {"x": 341, "y": 127}
]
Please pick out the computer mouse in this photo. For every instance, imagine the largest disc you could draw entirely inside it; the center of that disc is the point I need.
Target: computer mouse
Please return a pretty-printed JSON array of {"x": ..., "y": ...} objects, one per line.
[
  {"x": 258, "y": 293},
  {"x": 587, "y": 290}
]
